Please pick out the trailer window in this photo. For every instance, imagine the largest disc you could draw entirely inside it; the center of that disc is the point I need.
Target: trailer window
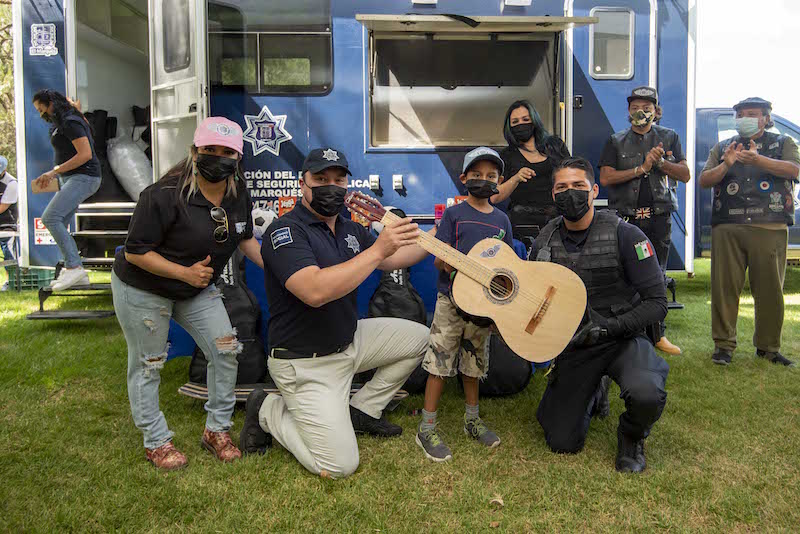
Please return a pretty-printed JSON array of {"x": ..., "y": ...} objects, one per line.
[
  {"x": 176, "y": 35},
  {"x": 611, "y": 43},
  {"x": 271, "y": 46},
  {"x": 453, "y": 90}
]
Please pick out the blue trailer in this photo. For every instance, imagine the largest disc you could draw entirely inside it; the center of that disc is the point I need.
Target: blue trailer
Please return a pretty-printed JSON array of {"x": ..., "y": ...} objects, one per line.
[{"x": 403, "y": 87}]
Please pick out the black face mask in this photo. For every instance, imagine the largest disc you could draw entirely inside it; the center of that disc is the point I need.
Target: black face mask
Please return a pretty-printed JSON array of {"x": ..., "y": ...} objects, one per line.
[
  {"x": 522, "y": 132},
  {"x": 481, "y": 188},
  {"x": 327, "y": 200},
  {"x": 215, "y": 169},
  {"x": 573, "y": 204},
  {"x": 45, "y": 117}
]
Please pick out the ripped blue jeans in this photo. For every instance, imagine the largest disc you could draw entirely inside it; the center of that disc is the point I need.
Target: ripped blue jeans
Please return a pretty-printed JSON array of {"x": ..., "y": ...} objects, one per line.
[{"x": 144, "y": 318}]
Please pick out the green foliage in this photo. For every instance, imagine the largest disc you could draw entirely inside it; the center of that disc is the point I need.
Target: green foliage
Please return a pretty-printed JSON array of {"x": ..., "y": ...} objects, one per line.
[
  {"x": 8, "y": 143},
  {"x": 723, "y": 457}
]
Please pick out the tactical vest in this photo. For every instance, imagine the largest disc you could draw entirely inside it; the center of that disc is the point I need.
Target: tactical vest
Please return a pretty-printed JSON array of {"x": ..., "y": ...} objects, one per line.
[
  {"x": 598, "y": 263},
  {"x": 632, "y": 149},
  {"x": 751, "y": 195},
  {"x": 8, "y": 219}
]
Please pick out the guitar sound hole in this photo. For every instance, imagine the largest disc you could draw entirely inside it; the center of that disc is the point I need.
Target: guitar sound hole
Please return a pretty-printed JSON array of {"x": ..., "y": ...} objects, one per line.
[{"x": 501, "y": 287}]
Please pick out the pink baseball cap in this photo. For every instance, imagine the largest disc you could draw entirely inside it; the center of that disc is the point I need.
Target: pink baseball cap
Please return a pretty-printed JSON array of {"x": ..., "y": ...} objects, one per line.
[{"x": 219, "y": 131}]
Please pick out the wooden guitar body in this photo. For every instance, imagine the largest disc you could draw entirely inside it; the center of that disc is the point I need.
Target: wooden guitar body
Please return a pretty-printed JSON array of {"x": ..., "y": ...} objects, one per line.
[{"x": 536, "y": 306}]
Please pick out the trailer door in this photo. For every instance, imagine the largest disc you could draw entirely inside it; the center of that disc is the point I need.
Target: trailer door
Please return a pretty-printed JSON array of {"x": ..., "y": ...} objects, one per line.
[
  {"x": 612, "y": 57},
  {"x": 178, "y": 96}
]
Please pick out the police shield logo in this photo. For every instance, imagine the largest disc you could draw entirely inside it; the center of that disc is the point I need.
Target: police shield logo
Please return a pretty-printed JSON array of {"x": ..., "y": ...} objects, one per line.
[
  {"x": 266, "y": 131},
  {"x": 353, "y": 244},
  {"x": 776, "y": 201},
  {"x": 330, "y": 154},
  {"x": 280, "y": 237}
]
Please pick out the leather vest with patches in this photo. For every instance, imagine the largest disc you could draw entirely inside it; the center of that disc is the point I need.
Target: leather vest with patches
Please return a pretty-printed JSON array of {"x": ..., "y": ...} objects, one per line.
[
  {"x": 598, "y": 263},
  {"x": 751, "y": 195},
  {"x": 632, "y": 149},
  {"x": 8, "y": 219}
]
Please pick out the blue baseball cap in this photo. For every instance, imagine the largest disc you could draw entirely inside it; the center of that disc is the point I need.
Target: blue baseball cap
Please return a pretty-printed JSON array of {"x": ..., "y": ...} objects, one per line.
[
  {"x": 3, "y": 164},
  {"x": 482, "y": 153}
]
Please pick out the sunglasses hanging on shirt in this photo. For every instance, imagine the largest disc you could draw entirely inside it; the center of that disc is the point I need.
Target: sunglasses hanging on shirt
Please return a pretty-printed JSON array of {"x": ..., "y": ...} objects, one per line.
[{"x": 219, "y": 216}]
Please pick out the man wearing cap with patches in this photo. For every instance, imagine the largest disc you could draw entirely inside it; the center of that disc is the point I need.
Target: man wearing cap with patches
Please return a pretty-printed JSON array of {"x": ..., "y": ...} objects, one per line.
[
  {"x": 753, "y": 176},
  {"x": 8, "y": 210},
  {"x": 640, "y": 166},
  {"x": 314, "y": 260}
]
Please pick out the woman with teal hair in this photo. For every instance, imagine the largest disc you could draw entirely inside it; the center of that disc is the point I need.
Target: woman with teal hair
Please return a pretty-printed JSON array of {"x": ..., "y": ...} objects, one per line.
[{"x": 530, "y": 158}]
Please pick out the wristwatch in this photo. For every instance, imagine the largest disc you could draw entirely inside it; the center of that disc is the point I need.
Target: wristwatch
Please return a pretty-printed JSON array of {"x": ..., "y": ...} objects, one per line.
[
  {"x": 659, "y": 163},
  {"x": 55, "y": 169}
]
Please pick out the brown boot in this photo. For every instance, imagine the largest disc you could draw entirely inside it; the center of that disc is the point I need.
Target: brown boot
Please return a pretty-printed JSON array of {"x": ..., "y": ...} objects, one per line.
[
  {"x": 665, "y": 345},
  {"x": 166, "y": 457},
  {"x": 220, "y": 445}
]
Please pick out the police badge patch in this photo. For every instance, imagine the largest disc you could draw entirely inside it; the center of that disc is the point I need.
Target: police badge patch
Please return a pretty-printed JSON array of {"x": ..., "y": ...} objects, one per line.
[
  {"x": 776, "y": 202},
  {"x": 353, "y": 244}
]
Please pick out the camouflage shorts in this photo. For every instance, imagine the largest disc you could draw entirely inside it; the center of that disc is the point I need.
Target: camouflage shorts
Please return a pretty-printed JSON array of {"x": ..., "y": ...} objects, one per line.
[{"x": 456, "y": 345}]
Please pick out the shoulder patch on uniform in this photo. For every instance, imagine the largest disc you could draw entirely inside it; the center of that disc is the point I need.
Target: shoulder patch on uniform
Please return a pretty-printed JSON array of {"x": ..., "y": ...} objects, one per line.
[
  {"x": 644, "y": 250},
  {"x": 280, "y": 237},
  {"x": 773, "y": 145}
]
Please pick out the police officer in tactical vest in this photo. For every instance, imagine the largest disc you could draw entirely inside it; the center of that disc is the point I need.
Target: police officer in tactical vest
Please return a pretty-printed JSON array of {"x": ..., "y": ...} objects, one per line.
[
  {"x": 753, "y": 175},
  {"x": 626, "y": 293},
  {"x": 640, "y": 166}
]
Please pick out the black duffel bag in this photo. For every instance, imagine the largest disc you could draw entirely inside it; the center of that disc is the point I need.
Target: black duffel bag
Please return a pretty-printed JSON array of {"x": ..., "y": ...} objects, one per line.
[{"x": 244, "y": 312}]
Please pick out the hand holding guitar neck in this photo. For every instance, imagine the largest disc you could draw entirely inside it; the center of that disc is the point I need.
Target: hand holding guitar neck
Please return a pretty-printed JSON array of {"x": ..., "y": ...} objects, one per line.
[{"x": 395, "y": 235}]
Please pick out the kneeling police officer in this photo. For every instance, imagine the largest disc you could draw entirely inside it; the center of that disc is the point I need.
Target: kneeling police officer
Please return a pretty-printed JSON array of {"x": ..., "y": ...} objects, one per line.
[{"x": 626, "y": 293}]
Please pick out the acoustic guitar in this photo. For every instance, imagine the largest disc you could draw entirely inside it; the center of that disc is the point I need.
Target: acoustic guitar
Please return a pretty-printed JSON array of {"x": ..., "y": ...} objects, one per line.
[{"x": 536, "y": 306}]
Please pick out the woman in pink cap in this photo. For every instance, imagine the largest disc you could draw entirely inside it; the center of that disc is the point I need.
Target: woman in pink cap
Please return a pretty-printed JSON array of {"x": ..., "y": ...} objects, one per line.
[{"x": 183, "y": 231}]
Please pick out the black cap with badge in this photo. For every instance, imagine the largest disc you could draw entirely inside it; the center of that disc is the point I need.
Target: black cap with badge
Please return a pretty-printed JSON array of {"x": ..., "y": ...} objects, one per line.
[
  {"x": 753, "y": 102},
  {"x": 644, "y": 93},
  {"x": 320, "y": 159}
]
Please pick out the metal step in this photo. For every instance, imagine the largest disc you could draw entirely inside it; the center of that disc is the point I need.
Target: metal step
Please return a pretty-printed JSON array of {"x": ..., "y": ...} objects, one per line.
[
  {"x": 69, "y": 314},
  {"x": 100, "y": 233}
]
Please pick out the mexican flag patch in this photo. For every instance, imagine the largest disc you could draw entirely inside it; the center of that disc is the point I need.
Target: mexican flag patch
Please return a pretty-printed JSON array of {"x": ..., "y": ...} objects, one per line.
[{"x": 644, "y": 250}]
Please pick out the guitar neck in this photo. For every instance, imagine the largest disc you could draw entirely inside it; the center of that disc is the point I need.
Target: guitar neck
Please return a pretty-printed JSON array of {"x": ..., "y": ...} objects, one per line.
[{"x": 448, "y": 254}]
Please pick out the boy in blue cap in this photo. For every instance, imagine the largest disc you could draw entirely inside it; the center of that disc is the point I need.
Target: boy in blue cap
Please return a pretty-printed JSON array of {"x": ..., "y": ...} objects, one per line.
[{"x": 457, "y": 343}]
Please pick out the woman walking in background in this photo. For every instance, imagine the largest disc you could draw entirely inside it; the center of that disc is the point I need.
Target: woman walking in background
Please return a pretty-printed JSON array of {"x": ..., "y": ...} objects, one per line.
[{"x": 78, "y": 171}]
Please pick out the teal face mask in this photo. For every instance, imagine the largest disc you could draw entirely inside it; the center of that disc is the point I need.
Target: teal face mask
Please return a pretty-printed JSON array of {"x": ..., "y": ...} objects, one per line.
[{"x": 747, "y": 126}]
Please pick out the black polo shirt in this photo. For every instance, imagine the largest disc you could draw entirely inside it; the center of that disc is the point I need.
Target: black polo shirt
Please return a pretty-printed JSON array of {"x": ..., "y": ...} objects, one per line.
[
  {"x": 183, "y": 233},
  {"x": 296, "y": 241},
  {"x": 73, "y": 127}
]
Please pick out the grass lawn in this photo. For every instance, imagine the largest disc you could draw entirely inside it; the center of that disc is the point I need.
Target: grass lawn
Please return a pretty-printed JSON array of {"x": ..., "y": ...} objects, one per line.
[{"x": 724, "y": 456}]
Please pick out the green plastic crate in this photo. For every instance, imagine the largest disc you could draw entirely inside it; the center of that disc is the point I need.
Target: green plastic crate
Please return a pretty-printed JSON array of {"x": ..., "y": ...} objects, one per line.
[{"x": 31, "y": 278}]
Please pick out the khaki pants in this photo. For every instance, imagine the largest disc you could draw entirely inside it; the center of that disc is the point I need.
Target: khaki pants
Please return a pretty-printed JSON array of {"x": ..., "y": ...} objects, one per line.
[
  {"x": 762, "y": 252},
  {"x": 312, "y": 417}
]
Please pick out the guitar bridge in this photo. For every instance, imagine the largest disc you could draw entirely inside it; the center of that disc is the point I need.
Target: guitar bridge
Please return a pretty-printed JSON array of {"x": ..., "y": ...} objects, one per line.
[{"x": 539, "y": 315}]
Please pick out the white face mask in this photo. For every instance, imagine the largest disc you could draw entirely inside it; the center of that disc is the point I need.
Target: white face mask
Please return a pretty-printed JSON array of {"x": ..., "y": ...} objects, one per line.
[{"x": 747, "y": 126}]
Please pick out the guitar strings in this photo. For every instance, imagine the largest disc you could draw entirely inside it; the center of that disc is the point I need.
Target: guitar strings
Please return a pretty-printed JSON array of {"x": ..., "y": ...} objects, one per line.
[{"x": 480, "y": 273}]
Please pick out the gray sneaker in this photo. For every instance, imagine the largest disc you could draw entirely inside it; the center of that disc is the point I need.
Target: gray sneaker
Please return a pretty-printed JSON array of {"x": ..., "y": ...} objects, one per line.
[
  {"x": 477, "y": 430},
  {"x": 433, "y": 445}
]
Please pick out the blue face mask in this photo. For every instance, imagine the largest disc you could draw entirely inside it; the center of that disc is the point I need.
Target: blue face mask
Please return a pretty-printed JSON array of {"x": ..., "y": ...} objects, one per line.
[{"x": 747, "y": 126}]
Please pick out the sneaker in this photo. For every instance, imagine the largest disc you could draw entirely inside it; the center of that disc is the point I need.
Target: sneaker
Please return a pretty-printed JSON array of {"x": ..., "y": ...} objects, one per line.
[
  {"x": 600, "y": 404},
  {"x": 71, "y": 278},
  {"x": 721, "y": 357},
  {"x": 60, "y": 276},
  {"x": 166, "y": 457},
  {"x": 434, "y": 447},
  {"x": 4, "y": 287},
  {"x": 477, "y": 430},
  {"x": 252, "y": 438},
  {"x": 666, "y": 346},
  {"x": 630, "y": 454},
  {"x": 366, "y": 424},
  {"x": 220, "y": 445},
  {"x": 774, "y": 357}
]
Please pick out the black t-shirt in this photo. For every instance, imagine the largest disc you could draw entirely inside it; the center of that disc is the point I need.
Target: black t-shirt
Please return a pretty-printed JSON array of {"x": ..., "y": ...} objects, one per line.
[
  {"x": 61, "y": 137},
  {"x": 609, "y": 158},
  {"x": 183, "y": 233},
  {"x": 296, "y": 241},
  {"x": 536, "y": 192}
]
